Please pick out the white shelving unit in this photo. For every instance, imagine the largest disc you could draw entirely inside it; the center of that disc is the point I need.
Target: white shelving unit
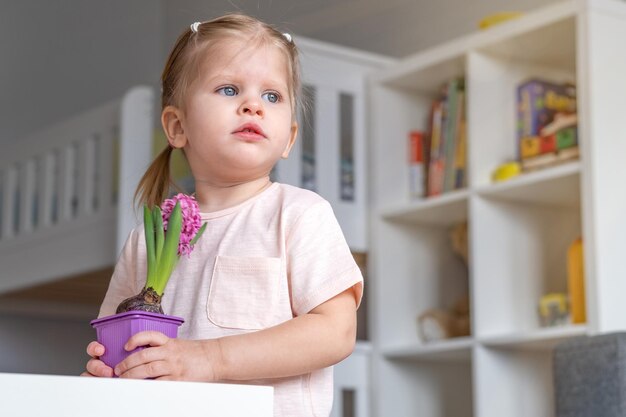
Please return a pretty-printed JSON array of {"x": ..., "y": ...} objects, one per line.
[{"x": 519, "y": 230}]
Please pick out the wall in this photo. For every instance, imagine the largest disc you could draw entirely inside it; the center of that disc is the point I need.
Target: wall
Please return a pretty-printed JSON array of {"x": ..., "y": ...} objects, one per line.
[{"x": 65, "y": 56}]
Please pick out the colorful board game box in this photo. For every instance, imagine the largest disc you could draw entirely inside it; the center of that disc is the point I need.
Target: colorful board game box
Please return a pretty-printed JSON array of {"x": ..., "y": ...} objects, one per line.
[{"x": 538, "y": 102}]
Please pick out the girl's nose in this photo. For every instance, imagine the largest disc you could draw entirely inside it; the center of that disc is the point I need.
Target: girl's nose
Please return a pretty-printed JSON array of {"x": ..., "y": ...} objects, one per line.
[{"x": 252, "y": 107}]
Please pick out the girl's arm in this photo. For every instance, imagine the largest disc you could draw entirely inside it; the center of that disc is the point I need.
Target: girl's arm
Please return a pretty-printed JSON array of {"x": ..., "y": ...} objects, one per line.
[
  {"x": 315, "y": 340},
  {"x": 312, "y": 341}
]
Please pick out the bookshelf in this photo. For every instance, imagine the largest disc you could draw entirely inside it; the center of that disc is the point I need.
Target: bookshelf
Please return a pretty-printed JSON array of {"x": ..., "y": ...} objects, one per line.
[{"x": 519, "y": 229}]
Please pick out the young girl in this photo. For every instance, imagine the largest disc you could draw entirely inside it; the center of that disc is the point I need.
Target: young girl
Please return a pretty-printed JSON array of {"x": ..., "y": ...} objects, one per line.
[{"x": 270, "y": 292}]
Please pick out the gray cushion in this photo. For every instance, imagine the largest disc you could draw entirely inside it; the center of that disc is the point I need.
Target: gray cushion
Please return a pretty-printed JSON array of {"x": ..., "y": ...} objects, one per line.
[{"x": 590, "y": 376}]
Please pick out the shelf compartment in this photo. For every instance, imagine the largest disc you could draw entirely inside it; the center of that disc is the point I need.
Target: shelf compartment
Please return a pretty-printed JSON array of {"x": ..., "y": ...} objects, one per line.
[
  {"x": 443, "y": 210},
  {"x": 457, "y": 349},
  {"x": 515, "y": 383},
  {"x": 542, "y": 339},
  {"x": 399, "y": 112},
  {"x": 416, "y": 270},
  {"x": 519, "y": 255},
  {"x": 557, "y": 186},
  {"x": 492, "y": 83},
  {"x": 525, "y": 41},
  {"x": 429, "y": 389}
]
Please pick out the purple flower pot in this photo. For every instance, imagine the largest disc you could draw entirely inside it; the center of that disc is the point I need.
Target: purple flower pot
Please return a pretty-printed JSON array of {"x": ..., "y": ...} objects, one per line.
[{"x": 114, "y": 331}]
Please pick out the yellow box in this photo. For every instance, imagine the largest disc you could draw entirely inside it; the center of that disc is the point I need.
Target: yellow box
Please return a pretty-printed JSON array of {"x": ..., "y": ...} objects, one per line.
[{"x": 576, "y": 281}]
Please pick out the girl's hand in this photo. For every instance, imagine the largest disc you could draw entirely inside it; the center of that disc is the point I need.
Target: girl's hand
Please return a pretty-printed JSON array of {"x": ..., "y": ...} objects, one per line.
[
  {"x": 170, "y": 359},
  {"x": 95, "y": 367}
]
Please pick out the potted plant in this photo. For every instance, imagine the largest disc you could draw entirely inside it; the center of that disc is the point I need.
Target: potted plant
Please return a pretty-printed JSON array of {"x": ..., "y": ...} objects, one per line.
[{"x": 170, "y": 232}]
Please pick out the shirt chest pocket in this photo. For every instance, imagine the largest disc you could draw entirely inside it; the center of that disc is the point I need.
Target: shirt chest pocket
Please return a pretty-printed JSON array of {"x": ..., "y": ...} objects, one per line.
[{"x": 244, "y": 292}]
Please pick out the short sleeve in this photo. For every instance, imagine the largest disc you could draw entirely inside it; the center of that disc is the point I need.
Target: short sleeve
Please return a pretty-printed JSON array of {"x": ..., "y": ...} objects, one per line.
[
  {"x": 320, "y": 264},
  {"x": 124, "y": 281}
]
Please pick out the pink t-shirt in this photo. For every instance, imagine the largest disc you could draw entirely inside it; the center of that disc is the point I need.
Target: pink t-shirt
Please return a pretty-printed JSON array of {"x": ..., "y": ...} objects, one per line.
[{"x": 269, "y": 259}]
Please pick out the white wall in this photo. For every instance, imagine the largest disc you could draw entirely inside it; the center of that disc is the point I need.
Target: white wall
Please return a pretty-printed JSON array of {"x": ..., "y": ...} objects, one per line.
[{"x": 64, "y": 56}]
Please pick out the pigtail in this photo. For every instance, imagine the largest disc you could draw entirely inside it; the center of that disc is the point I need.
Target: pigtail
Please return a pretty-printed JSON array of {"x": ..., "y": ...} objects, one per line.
[{"x": 154, "y": 185}]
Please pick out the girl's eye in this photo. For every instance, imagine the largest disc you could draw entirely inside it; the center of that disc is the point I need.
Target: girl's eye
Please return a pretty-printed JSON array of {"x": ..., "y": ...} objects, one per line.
[
  {"x": 271, "y": 97},
  {"x": 227, "y": 91}
]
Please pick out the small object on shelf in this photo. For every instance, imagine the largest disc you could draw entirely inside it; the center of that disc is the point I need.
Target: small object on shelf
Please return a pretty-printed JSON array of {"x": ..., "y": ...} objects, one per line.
[
  {"x": 458, "y": 240},
  {"x": 439, "y": 324},
  {"x": 576, "y": 281},
  {"x": 506, "y": 171},
  {"x": 435, "y": 324},
  {"x": 461, "y": 310},
  {"x": 554, "y": 310},
  {"x": 546, "y": 117},
  {"x": 497, "y": 18},
  {"x": 417, "y": 180}
]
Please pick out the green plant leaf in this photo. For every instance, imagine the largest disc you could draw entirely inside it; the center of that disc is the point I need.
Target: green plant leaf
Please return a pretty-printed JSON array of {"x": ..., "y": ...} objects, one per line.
[
  {"x": 159, "y": 232},
  {"x": 149, "y": 234},
  {"x": 169, "y": 257},
  {"x": 198, "y": 234}
]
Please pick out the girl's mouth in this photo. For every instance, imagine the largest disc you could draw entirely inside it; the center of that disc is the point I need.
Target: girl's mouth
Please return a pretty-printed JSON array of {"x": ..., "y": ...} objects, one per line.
[{"x": 250, "y": 131}]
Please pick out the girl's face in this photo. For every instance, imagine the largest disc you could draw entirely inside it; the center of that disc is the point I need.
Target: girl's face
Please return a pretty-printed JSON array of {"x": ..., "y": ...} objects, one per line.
[{"x": 238, "y": 119}]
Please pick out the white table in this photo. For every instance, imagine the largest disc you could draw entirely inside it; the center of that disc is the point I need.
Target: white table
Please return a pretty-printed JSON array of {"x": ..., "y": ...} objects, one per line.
[{"x": 28, "y": 395}]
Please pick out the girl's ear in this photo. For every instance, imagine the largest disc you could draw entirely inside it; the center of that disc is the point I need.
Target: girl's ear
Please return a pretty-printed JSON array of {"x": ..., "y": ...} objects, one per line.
[
  {"x": 292, "y": 140},
  {"x": 172, "y": 122}
]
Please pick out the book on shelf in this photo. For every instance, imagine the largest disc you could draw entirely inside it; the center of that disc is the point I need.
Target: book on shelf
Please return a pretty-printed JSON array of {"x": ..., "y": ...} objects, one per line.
[
  {"x": 444, "y": 146},
  {"x": 435, "y": 160},
  {"x": 456, "y": 95},
  {"x": 417, "y": 180},
  {"x": 461, "y": 149}
]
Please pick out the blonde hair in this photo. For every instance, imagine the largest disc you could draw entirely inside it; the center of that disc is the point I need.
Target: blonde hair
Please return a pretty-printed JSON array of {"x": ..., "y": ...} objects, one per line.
[{"x": 182, "y": 69}]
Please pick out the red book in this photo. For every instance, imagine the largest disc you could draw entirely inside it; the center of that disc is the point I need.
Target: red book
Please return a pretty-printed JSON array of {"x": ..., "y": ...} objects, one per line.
[{"x": 416, "y": 164}]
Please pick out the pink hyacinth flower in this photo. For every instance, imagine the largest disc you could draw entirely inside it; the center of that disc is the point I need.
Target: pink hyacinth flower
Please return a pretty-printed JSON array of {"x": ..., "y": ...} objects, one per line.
[{"x": 191, "y": 220}]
